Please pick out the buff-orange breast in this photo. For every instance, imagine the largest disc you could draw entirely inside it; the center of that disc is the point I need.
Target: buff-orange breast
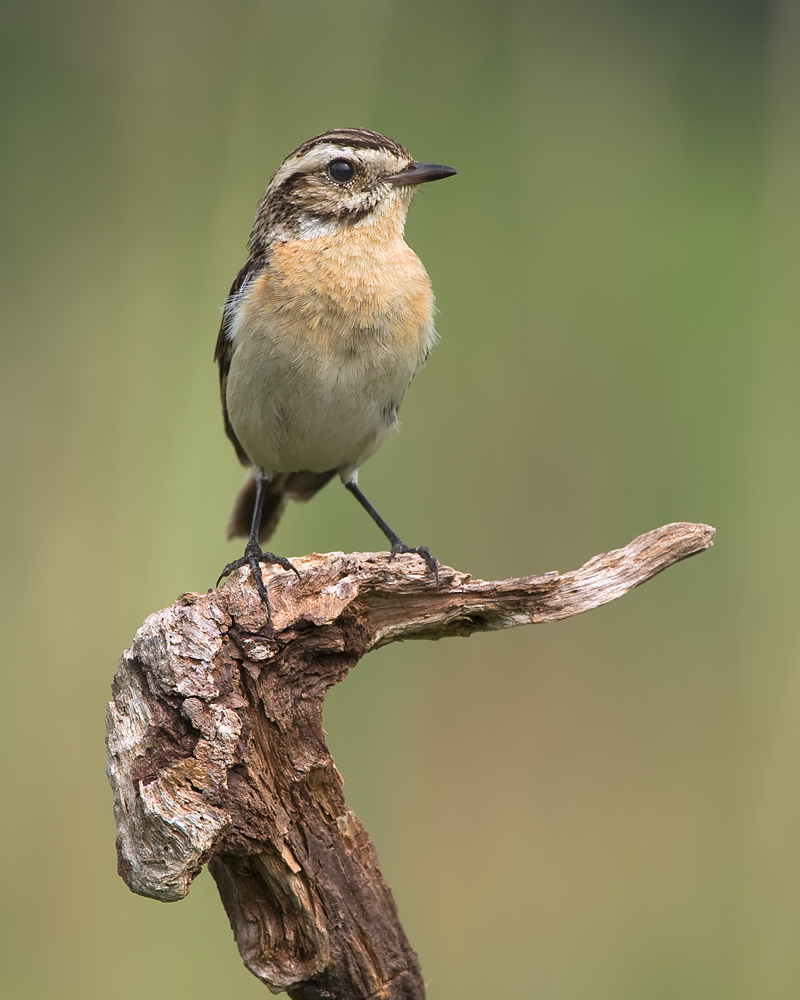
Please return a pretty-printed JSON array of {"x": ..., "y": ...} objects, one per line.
[{"x": 325, "y": 343}]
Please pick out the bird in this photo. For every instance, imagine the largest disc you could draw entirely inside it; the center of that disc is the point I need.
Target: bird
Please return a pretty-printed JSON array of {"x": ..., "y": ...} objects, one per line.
[{"x": 325, "y": 326}]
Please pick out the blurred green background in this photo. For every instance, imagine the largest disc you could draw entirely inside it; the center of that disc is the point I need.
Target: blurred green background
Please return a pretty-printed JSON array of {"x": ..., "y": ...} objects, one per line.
[{"x": 604, "y": 808}]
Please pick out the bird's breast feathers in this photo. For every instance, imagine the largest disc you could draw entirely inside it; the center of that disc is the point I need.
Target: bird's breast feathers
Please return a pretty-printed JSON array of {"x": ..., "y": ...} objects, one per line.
[{"x": 325, "y": 341}]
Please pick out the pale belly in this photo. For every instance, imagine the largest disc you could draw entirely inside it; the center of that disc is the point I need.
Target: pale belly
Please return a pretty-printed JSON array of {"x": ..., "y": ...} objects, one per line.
[{"x": 317, "y": 401}]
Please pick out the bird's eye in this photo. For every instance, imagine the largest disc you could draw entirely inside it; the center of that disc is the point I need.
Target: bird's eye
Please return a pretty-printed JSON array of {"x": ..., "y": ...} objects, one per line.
[{"x": 340, "y": 171}]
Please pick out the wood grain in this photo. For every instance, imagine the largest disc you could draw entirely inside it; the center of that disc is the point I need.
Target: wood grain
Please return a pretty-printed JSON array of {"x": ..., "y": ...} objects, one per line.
[{"x": 216, "y": 752}]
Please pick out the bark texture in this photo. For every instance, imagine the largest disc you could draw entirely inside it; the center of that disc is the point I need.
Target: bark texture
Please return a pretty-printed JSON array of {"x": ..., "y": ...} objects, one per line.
[{"x": 216, "y": 752}]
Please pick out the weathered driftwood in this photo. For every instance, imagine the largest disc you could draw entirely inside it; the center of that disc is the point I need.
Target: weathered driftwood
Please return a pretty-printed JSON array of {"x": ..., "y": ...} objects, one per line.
[{"x": 217, "y": 753}]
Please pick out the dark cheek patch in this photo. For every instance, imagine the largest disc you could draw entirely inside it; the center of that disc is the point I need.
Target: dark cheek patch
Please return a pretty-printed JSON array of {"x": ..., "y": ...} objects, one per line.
[
  {"x": 299, "y": 195},
  {"x": 352, "y": 214}
]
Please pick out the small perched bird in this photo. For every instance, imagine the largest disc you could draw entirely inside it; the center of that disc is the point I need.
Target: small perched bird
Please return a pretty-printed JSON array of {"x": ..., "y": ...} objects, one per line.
[{"x": 323, "y": 330}]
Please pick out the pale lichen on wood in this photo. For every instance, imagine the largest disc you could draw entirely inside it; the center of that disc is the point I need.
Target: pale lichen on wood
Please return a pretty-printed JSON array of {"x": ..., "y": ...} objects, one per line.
[{"x": 216, "y": 752}]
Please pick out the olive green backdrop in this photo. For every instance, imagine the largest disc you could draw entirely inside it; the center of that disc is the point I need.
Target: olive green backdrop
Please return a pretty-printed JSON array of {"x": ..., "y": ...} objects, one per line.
[{"x": 605, "y": 808}]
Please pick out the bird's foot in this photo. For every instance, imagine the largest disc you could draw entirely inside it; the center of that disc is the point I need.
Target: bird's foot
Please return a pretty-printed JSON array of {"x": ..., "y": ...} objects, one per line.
[
  {"x": 400, "y": 548},
  {"x": 253, "y": 557}
]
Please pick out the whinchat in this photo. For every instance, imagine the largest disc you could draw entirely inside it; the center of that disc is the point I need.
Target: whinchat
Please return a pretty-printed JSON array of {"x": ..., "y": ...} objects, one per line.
[{"x": 323, "y": 330}]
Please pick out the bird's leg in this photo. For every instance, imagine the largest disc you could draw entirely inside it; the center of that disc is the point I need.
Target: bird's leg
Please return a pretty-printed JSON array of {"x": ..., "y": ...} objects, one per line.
[
  {"x": 398, "y": 547},
  {"x": 253, "y": 554}
]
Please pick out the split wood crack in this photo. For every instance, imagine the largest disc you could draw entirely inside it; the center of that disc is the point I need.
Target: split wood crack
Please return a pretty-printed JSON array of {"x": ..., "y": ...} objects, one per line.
[{"x": 216, "y": 752}]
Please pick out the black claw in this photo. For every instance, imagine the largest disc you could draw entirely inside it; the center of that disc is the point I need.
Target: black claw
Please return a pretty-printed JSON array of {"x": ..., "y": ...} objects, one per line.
[
  {"x": 255, "y": 569},
  {"x": 253, "y": 557},
  {"x": 281, "y": 561},
  {"x": 430, "y": 561},
  {"x": 400, "y": 548},
  {"x": 229, "y": 569}
]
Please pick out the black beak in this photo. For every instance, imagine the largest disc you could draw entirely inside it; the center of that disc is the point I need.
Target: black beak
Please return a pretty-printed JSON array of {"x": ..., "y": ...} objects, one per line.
[{"x": 419, "y": 173}]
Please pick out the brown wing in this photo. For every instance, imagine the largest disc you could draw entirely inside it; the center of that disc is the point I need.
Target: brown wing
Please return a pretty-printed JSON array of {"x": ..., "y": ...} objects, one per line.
[
  {"x": 224, "y": 349},
  {"x": 294, "y": 485}
]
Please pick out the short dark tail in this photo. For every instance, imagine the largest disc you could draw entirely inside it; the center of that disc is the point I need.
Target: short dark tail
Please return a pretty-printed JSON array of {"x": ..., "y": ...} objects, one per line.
[{"x": 288, "y": 486}]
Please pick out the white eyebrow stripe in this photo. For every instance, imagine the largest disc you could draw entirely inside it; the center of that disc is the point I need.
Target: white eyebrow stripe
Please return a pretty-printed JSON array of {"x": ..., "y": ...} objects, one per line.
[{"x": 315, "y": 159}]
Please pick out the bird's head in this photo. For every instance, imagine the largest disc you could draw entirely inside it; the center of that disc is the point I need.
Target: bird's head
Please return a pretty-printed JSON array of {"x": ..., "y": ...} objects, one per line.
[{"x": 343, "y": 178}]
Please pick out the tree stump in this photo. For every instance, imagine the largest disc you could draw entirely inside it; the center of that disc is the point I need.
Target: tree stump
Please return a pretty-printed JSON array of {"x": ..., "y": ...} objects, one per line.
[{"x": 216, "y": 752}]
